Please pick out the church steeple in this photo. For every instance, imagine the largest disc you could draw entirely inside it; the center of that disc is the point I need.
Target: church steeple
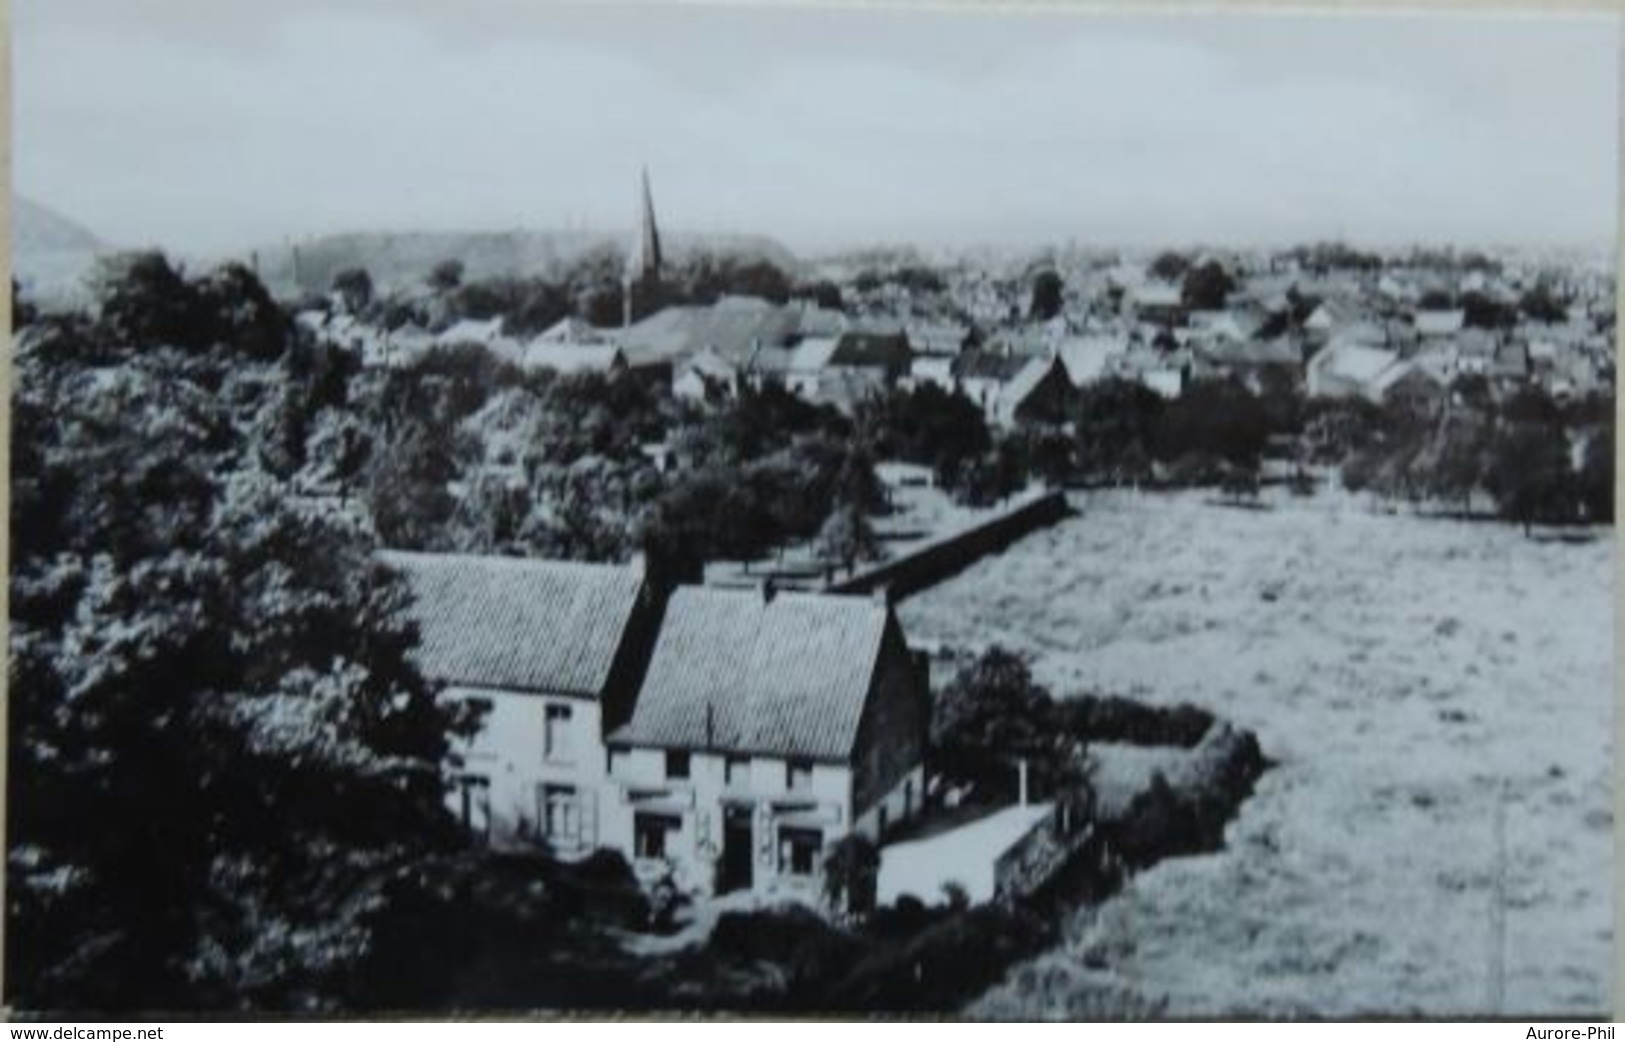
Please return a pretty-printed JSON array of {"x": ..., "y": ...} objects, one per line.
[
  {"x": 648, "y": 249},
  {"x": 643, "y": 261}
]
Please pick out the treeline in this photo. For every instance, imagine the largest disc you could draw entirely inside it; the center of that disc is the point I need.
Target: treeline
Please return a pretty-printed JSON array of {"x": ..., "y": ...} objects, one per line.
[
  {"x": 1535, "y": 461},
  {"x": 222, "y": 758},
  {"x": 593, "y": 289}
]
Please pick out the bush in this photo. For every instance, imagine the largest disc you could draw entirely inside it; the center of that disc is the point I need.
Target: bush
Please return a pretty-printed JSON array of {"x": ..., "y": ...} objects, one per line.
[
  {"x": 908, "y": 916},
  {"x": 772, "y": 935},
  {"x": 939, "y": 968},
  {"x": 851, "y": 874},
  {"x": 1111, "y": 718}
]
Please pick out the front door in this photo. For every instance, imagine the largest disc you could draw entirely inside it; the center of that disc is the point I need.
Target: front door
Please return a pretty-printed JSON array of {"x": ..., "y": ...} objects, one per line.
[{"x": 737, "y": 850}]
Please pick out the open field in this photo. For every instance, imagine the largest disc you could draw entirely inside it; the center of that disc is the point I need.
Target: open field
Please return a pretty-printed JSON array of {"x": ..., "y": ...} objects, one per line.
[{"x": 1407, "y": 676}]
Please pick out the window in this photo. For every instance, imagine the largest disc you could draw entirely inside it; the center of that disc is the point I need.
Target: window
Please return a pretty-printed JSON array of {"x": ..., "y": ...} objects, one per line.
[
  {"x": 736, "y": 770},
  {"x": 650, "y": 832},
  {"x": 798, "y": 775},
  {"x": 676, "y": 764},
  {"x": 556, "y": 734},
  {"x": 798, "y": 851},
  {"x": 561, "y": 813}
]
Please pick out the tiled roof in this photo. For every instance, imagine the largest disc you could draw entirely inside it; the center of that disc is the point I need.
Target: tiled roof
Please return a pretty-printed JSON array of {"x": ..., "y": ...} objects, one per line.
[
  {"x": 735, "y": 332},
  {"x": 1439, "y": 323},
  {"x": 517, "y": 624},
  {"x": 567, "y": 358},
  {"x": 1086, "y": 358},
  {"x": 1355, "y": 361},
  {"x": 988, "y": 365},
  {"x": 880, "y": 350},
  {"x": 736, "y": 671},
  {"x": 1028, "y": 380}
]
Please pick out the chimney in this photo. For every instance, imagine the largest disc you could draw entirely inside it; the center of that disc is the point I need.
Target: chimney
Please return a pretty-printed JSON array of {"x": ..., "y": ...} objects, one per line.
[
  {"x": 638, "y": 565},
  {"x": 769, "y": 590},
  {"x": 1021, "y": 770},
  {"x": 881, "y": 595}
]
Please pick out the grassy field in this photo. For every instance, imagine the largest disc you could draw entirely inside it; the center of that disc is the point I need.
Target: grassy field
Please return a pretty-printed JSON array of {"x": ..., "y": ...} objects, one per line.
[{"x": 1438, "y": 698}]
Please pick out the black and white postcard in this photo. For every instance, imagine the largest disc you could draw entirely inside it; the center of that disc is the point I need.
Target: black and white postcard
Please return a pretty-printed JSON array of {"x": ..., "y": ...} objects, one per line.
[{"x": 997, "y": 513}]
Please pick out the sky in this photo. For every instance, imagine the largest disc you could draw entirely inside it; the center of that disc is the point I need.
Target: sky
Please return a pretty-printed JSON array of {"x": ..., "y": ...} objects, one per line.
[{"x": 212, "y": 125}]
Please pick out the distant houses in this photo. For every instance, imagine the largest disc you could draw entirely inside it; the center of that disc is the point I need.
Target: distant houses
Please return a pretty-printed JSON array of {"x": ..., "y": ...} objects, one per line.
[{"x": 1284, "y": 325}]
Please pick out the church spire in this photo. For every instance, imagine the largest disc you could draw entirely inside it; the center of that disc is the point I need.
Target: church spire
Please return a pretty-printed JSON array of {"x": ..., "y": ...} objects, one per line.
[{"x": 643, "y": 261}]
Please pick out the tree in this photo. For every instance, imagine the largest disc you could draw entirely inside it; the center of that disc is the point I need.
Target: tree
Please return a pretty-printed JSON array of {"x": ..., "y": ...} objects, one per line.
[
  {"x": 848, "y": 537},
  {"x": 1240, "y": 483},
  {"x": 23, "y": 312},
  {"x": 823, "y": 293},
  {"x": 1221, "y": 417},
  {"x": 1046, "y": 296},
  {"x": 927, "y": 425},
  {"x": 991, "y": 715},
  {"x": 852, "y": 874},
  {"x": 1206, "y": 287},
  {"x": 354, "y": 289},
  {"x": 446, "y": 276},
  {"x": 1115, "y": 423},
  {"x": 1453, "y": 464},
  {"x": 145, "y": 302},
  {"x": 235, "y": 310},
  {"x": 1540, "y": 304},
  {"x": 1596, "y": 478},
  {"x": 222, "y": 752},
  {"x": 1169, "y": 266},
  {"x": 1530, "y": 476},
  {"x": 1484, "y": 312},
  {"x": 405, "y": 487}
]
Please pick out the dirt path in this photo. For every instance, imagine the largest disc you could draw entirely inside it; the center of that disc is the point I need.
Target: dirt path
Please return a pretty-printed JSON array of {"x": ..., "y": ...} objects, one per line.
[{"x": 1405, "y": 674}]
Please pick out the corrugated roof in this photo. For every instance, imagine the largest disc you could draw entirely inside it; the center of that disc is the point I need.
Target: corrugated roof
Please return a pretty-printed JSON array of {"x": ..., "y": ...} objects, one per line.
[
  {"x": 517, "y": 624},
  {"x": 734, "y": 671}
]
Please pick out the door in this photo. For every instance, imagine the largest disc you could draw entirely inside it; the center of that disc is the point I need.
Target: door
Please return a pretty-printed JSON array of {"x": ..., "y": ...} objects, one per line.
[{"x": 737, "y": 849}]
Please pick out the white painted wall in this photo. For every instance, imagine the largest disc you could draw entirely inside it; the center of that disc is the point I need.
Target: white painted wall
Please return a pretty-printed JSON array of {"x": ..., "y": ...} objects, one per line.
[
  {"x": 639, "y": 782},
  {"x": 511, "y": 753}
]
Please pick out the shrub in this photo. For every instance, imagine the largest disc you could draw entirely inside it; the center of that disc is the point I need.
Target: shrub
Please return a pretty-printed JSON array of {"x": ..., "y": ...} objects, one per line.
[
  {"x": 1111, "y": 718},
  {"x": 851, "y": 874}
]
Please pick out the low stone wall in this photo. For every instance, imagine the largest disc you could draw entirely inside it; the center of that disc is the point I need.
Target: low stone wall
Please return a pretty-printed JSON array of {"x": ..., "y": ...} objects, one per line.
[
  {"x": 1050, "y": 847},
  {"x": 936, "y": 561}
]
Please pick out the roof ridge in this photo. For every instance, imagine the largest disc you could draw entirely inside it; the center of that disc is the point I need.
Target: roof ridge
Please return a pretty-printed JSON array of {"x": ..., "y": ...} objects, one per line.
[{"x": 505, "y": 561}]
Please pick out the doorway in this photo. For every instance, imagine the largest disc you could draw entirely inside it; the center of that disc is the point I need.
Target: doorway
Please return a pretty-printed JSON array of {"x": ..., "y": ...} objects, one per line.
[{"x": 737, "y": 849}]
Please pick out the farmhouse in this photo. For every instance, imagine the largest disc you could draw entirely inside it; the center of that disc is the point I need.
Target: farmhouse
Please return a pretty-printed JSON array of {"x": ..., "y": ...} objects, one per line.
[
  {"x": 769, "y": 725},
  {"x": 730, "y": 735},
  {"x": 552, "y": 651}
]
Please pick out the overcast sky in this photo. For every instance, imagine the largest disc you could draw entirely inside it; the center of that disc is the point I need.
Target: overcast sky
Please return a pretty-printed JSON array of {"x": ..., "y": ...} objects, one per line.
[{"x": 212, "y": 124}]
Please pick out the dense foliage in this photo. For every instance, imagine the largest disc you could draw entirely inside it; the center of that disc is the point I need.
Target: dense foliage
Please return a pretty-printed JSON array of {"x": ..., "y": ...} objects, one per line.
[{"x": 220, "y": 752}]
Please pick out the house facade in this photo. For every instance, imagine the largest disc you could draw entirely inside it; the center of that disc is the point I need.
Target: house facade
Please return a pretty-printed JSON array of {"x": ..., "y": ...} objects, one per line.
[
  {"x": 769, "y": 726},
  {"x": 551, "y": 653}
]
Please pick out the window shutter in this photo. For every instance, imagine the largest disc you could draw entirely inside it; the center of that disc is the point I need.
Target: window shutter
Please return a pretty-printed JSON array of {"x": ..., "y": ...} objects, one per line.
[{"x": 589, "y": 818}]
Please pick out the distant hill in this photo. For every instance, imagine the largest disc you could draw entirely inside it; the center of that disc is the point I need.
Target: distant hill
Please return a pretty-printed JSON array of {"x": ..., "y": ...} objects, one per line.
[
  {"x": 403, "y": 260},
  {"x": 50, "y": 254}
]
